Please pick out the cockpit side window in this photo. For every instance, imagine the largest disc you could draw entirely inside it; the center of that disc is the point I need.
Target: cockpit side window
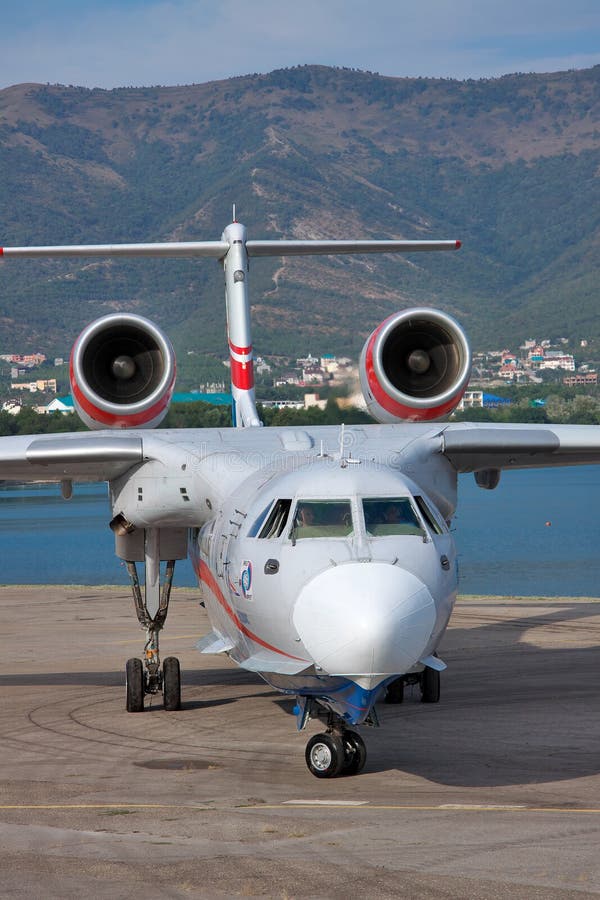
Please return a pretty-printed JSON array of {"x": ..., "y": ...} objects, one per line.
[
  {"x": 322, "y": 518},
  {"x": 428, "y": 515},
  {"x": 257, "y": 524},
  {"x": 275, "y": 523},
  {"x": 390, "y": 515}
]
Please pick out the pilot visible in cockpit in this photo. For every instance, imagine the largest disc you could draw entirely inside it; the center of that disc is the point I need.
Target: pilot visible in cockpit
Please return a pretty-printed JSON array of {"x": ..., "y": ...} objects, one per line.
[
  {"x": 392, "y": 517},
  {"x": 323, "y": 518},
  {"x": 393, "y": 512},
  {"x": 305, "y": 515}
]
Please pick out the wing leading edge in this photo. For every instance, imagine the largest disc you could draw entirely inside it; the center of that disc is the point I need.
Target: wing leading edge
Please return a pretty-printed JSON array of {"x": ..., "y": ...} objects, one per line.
[
  {"x": 80, "y": 456},
  {"x": 476, "y": 447},
  {"x": 103, "y": 456}
]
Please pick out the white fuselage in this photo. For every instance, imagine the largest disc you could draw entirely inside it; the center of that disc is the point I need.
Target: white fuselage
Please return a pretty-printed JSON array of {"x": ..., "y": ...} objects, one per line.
[{"x": 354, "y": 601}]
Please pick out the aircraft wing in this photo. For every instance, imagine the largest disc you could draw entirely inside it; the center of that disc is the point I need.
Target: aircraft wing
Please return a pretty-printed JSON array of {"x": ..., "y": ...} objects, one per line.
[
  {"x": 475, "y": 447},
  {"x": 80, "y": 456},
  {"x": 106, "y": 455}
]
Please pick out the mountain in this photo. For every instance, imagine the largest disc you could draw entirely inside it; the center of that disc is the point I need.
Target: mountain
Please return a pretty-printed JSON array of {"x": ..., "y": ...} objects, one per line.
[{"x": 511, "y": 166}]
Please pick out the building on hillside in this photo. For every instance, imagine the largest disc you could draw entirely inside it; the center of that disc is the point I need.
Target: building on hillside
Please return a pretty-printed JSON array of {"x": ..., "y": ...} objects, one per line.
[
  {"x": 556, "y": 359},
  {"x": 312, "y": 400},
  {"x": 308, "y": 360},
  {"x": 535, "y": 356},
  {"x": 470, "y": 399},
  {"x": 581, "y": 378},
  {"x": 282, "y": 404},
  {"x": 313, "y": 375},
  {"x": 216, "y": 398},
  {"x": 28, "y": 360},
  {"x": 62, "y": 405},
  {"x": 287, "y": 378},
  {"x": 261, "y": 366},
  {"x": 479, "y": 399},
  {"x": 48, "y": 385},
  {"x": 329, "y": 363},
  {"x": 509, "y": 372},
  {"x": 13, "y": 407}
]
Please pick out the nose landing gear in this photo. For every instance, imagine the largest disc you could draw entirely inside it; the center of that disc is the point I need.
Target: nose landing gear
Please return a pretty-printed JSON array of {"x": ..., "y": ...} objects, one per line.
[{"x": 334, "y": 753}]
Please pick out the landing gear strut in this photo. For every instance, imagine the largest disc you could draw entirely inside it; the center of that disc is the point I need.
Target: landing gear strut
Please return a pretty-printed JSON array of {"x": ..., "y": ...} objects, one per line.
[{"x": 151, "y": 609}]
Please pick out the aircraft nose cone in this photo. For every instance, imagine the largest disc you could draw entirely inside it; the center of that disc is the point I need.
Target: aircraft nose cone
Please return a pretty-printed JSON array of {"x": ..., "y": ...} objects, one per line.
[{"x": 365, "y": 619}]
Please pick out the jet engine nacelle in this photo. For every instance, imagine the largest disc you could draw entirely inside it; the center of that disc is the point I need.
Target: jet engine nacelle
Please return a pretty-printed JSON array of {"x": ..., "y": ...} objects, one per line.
[
  {"x": 415, "y": 366},
  {"x": 122, "y": 373}
]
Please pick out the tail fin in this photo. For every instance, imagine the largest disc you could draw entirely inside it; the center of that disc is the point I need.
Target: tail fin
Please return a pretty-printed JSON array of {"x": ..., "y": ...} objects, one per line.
[{"x": 239, "y": 335}]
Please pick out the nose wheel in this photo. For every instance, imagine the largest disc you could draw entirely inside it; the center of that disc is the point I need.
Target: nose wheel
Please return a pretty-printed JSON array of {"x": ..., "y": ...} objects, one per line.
[{"x": 331, "y": 754}]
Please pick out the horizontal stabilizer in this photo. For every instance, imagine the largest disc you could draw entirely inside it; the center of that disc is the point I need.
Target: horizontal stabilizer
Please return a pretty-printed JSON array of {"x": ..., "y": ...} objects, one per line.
[
  {"x": 214, "y": 249},
  {"x": 326, "y": 248},
  {"x": 434, "y": 662},
  {"x": 214, "y": 643}
]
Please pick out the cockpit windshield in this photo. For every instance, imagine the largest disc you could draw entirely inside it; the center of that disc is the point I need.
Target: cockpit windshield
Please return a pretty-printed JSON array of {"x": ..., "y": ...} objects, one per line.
[
  {"x": 322, "y": 518},
  {"x": 390, "y": 515}
]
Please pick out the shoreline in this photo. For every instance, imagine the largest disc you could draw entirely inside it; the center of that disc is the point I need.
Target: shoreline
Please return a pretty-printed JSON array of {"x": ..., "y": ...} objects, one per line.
[{"x": 183, "y": 590}]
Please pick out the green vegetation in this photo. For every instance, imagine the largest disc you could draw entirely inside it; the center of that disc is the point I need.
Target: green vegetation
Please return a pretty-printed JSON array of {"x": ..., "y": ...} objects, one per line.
[
  {"x": 562, "y": 406},
  {"x": 509, "y": 165}
]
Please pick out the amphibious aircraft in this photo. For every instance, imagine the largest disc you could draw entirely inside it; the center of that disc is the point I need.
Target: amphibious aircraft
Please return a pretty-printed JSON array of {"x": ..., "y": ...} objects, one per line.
[{"x": 324, "y": 554}]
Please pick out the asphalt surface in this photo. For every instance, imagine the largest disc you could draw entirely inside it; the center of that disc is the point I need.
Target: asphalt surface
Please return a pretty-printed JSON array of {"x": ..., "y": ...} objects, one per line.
[{"x": 492, "y": 793}]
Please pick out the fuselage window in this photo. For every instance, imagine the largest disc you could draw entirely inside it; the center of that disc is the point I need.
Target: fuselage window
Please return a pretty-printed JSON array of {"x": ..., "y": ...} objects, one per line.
[
  {"x": 390, "y": 515},
  {"x": 273, "y": 527},
  {"x": 428, "y": 515},
  {"x": 322, "y": 518}
]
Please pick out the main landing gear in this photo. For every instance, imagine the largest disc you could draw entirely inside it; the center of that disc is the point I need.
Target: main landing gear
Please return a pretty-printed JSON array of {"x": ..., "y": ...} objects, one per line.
[
  {"x": 150, "y": 677},
  {"x": 428, "y": 680}
]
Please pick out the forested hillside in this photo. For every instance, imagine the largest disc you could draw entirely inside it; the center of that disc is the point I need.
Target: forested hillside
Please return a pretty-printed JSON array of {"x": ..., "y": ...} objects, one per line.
[{"x": 511, "y": 166}]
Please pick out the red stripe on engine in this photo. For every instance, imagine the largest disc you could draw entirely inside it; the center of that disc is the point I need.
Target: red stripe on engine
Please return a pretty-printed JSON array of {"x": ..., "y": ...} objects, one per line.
[{"x": 242, "y": 374}]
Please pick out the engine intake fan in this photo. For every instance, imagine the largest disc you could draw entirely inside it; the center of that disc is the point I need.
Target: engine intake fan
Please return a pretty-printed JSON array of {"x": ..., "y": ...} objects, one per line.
[
  {"x": 122, "y": 373},
  {"x": 415, "y": 366}
]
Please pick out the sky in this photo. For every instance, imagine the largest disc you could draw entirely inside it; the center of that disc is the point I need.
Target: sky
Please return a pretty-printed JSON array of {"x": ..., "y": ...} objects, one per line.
[{"x": 112, "y": 43}]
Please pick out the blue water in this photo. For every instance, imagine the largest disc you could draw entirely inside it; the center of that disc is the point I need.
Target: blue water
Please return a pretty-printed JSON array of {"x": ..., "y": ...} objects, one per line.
[{"x": 504, "y": 544}]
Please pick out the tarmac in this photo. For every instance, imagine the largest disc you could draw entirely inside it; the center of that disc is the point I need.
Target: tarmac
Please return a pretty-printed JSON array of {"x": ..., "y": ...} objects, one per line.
[{"x": 492, "y": 793}]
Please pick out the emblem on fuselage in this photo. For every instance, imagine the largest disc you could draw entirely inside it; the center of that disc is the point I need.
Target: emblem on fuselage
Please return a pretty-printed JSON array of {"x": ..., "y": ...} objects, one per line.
[{"x": 246, "y": 579}]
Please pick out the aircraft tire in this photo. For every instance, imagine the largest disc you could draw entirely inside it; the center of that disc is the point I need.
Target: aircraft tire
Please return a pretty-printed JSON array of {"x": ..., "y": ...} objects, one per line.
[
  {"x": 171, "y": 684},
  {"x": 325, "y": 755},
  {"x": 395, "y": 691},
  {"x": 430, "y": 685},
  {"x": 134, "y": 685},
  {"x": 357, "y": 755}
]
